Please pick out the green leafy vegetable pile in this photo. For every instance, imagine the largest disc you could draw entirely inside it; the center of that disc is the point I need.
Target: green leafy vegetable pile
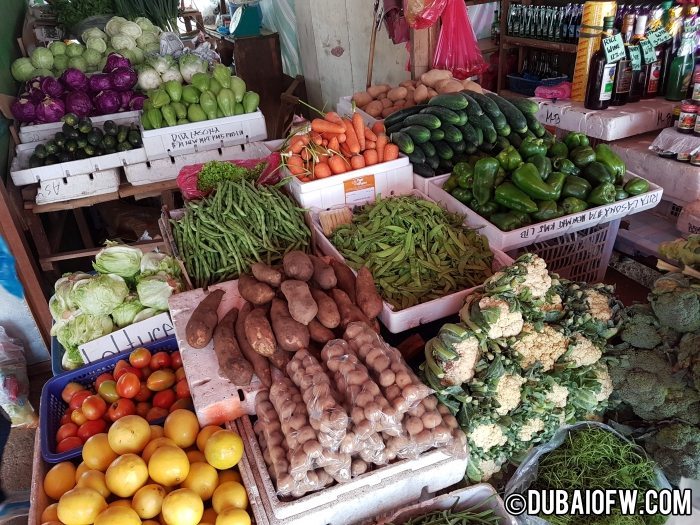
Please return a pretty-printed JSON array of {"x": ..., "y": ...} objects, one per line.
[
  {"x": 216, "y": 171},
  {"x": 474, "y": 515},
  {"x": 70, "y": 12}
]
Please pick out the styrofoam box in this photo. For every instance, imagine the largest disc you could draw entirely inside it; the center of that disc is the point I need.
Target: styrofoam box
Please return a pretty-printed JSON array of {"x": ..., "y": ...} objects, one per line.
[
  {"x": 78, "y": 186},
  {"x": 354, "y": 187},
  {"x": 40, "y": 132},
  {"x": 613, "y": 123},
  {"x": 344, "y": 107},
  {"x": 169, "y": 167},
  {"x": 202, "y": 136},
  {"x": 542, "y": 231},
  {"x": 366, "y": 496},
  {"x": 644, "y": 232}
]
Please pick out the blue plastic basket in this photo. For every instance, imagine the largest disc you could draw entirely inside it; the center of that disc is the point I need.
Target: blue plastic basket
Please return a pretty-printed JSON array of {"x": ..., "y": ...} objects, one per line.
[
  {"x": 527, "y": 86},
  {"x": 52, "y": 406},
  {"x": 57, "y": 351}
]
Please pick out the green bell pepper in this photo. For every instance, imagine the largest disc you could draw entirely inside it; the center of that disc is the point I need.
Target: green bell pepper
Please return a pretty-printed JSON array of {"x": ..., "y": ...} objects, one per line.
[
  {"x": 505, "y": 221},
  {"x": 566, "y": 166},
  {"x": 636, "y": 186},
  {"x": 602, "y": 194},
  {"x": 508, "y": 195},
  {"x": 582, "y": 156},
  {"x": 548, "y": 139},
  {"x": 532, "y": 146},
  {"x": 523, "y": 217},
  {"x": 576, "y": 187},
  {"x": 556, "y": 180},
  {"x": 527, "y": 179},
  {"x": 485, "y": 210},
  {"x": 543, "y": 165},
  {"x": 501, "y": 176},
  {"x": 509, "y": 158},
  {"x": 174, "y": 90},
  {"x": 464, "y": 175},
  {"x": 547, "y": 210},
  {"x": 574, "y": 140},
  {"x": 462, "y": 195},
  {"x": 169, "y": 115},
  {"x": 485, "y": 171},
  {"x": 605, "y": 155},
  {"x": 201, "y": 81},
  {"x": 558, "y": 149},
  {"x": 597, "y": 173},
  {"x": 620, "y": 193},
  {"x": 450, "y": 183},
  {"x": 573, "y": 205}
]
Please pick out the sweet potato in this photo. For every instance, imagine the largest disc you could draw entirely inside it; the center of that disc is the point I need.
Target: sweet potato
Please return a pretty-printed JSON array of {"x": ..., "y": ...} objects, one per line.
[
  {"x": 254, "y": 291},
  {"x": 368, "y": 298},
  {"x": 202, "y": 323},
  {"x": 259, "y": 332},
  {"x": 320, "y": 333},
  {"x": 324, "y": 276},
  {"x": 328, "y": 314},
  {"x": 471, "y": 85},
  {"x": 297, "y": 265},
  {"x": 280, "y": 358},
  {"x": 259, "y": 363},
  {"x": 265, "y": 274},
  {"x": 375, "y": 91},
  {"x": 345, "y": 277},
  {"x": 231, "y": 361},
  {"x": 302, "y": 306},
  {"x": 291, "y": 335},
  {"x": 362, "y": 98},
  {"x": 408, "y": 84},
  {"x": 432, "y": 93},
  {"x": 349, "y": 313},
  {"x": 397, "y": 93},
  {"x": 374, "y": 108}
]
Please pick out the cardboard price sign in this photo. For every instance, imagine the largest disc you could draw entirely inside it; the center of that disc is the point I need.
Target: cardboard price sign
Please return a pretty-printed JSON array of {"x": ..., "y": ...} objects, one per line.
[
  {"x": 359, "y": 190},
  {"x": 635, "y": 57},
  {"x": 614, "y": 48},
  {"x": 648, "y": 52},
  {"x": 659, "y": 36}
]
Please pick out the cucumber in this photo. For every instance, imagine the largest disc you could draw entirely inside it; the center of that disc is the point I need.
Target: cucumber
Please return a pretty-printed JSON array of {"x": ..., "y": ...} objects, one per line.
[
  {"x": 513, "y": 115},
  {"x": 486, "y": 126},
  {"x": 437, "y": 134},
  {"x": 504, "y": 131},
  {"x": 453, "y": 101},
  {"x": 417, "y": 157},
  {"x": 458, "y": 147},
  {"x": 398, "y": 116},
  {"x": 428, "y": 149},
  {"x": 462, "y": 117},
  {"x": 446, "y": 165},
  {"x": 470, "y": 147},
  {"x": 479, "y": 136},
  {"x": 403, "y": 141},
  {"x": 419, "y": 134},
  {"x": 490, "y": 108},
  {"x": 444, "y": 114},
  {"x": 443, "y": 149},
  {"x": 502, "y": 143},
  {"x": 469, "y": 133},
  {"x": 515, "y": 140},
  {"x": 394, "y": 128},
  {"x": 527, "y": 106},
  {"x": 488, "y": 147},
  {"x": 433, "y": 161},
  {"x": 424, "y": 170},
  {"x": 423, "y": 119},
  {"x": 473, "y": 109},
  {"x": 527, "y": 134},
  {"x": 452, "y": 133},
  {"x": 534, "y": 125}
]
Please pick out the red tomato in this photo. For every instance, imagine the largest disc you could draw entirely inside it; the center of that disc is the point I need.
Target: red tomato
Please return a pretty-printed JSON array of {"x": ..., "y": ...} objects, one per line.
[
  {"x": 77, "y": 400},
  {"x": 164, "y": 399},
  {"x": 108, "y": 391},
  {"x": 78, "y": 417},
  {"x": 176, "y": 359},
  {"x": 65, "y": 418},
  {"x": 144, "y": 393},
  {"x": 102, "y": 378},
  {"x": 182, "y": 389},
  {"x": 65, "y": 431},
  {"x": 94, "y": 407},
  {"x": 128, "y": 385},
  {"x": 140, "y": 357},
  {"x": 183, "y": 403},
  {"x": 129, "y": 369},
  {"x": 119, "y": 367},
  {"x": 156, "y": 413},
  {"x": 179, "y": 374},
  {"x": 161, "y": 380},
  {"x": 123, "y": 407},
  {"x": 91, "y": 428},
  {"x": 69, "y": 444},
  {"x": 146, "y": 371},
  {"x": 143, "y": 408},
  {"x": 70, "y": 389},
  {"x": 160, "y": 360}
]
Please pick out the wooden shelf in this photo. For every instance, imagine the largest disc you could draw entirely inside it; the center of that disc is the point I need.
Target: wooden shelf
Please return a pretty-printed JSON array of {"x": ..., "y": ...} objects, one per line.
[
  {"x": 487, "y": 46},
  {"x": 560, "y": 47}
]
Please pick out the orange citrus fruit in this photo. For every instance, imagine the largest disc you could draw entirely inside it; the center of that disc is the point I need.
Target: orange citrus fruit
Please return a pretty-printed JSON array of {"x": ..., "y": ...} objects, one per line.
[
  {"x": 82, "y": 468},
  {"x": 168, "y": 466},
  {"x": 148, "y": 500},
  {"x": 118, "y": 516},
  {"x": 224, "y": 449},
  {"x": 50, "y": 513},
  {"x": 233, "y": 516},
  {"x": 209, "y": 515},
  {"x": 202, "y": 479},
  {"x": 230, "y": 475},
  {"x": 129, "y": 435},
  {"x": 229, "y": 494},
  {"x": 195, "y": 456},
  {"x": 182, "y": 427},
  {"x": 204, "y": 434},
  {"x": 156, "y": 432},
  {"x": 127, "y": 474},
  {"x": 94, "y": 479},
  {"x": 182, "y": 507},
  {"x": 97, "y": 453},
  {"x": 80, "y": 506},
  {"x": 153, "y": 445},
  {"x": 59, "y": 480}
]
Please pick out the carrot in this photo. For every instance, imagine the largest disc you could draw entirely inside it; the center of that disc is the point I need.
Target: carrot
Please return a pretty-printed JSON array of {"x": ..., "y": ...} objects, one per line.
[
  {"x": 370, "y": 145},
  {"x": 337, "y": 164},
  {"x": 322, "y": 170},
  {"x": 381, "y": 143},
  {"x": 316, "y": 138},
  {"x": 324, "y": 143},
  {"x": 323, "y": 126},
  {"x": 305, "y": 154},
  {"x": 359, "y": 126},
  {"x": 371, "y": 157},
  {"x": 370, "y": 135},
  {"x": 351, "y": 137},
  {"x": 378, "y": 127},
  {"x": 342, "y": 137},
  {"x": 297, "y": 143},
  {"x": 295, "y": 165},
  {"x": 391, "y": 152},
  {"x": 345, "y": 150},
  {"x": 334, "y": 144},
  {"x": 332, "y": 116},
  {"x": 357, "y": 162},
  {"x": 305, "y": 179}
]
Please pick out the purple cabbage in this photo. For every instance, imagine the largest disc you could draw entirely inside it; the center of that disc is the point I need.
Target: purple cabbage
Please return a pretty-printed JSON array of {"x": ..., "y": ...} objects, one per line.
[
  {"x": 24, "y": 110},
  {"x": 114, "y": 61},
  {"x": 124, "y": 78},
  {"x": 50, "y": 110},
  {"x": 125, "y": 99},
  {"x": 33, "y": 90},
  {"x": 99, "y": 82},
  {"x": 74, "y": 80},
  {"x": 107, "y": 102},
  {"x": 51, "y": 87},
  {"x": 136, "y": 102},
  {"x": 79, "y": 102}
]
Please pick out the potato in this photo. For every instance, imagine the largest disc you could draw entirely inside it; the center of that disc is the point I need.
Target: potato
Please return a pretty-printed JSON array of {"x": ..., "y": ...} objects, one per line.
[
  {"x": 259, "y": 332},
  {"x": 297, "y": 265},
  {"x": 231, "y": 361},
  {"x": 410, "y": 97},
  {"x": 290, "y": 334},
  {"x": 302, "y": 306},
  {"x": 451, "y": 86},
  {"x": 420, "y": 95},
  {"x": 202, "y": 323},
  {"x": 381, "y": 96},
  {"x": 367, "y": 297},
  {"x": 388, "y": 111},
  {"x": 254, "y": 291},
  {"x": 407, "y": 84},
  {"x": 375, "y": 91},
  {"x": 324, "y": 276},
  {"x": 397, "y": 93},
  {"x": 434, "y": 76},
  {"x": 345, "y": 277},
  {"x": 349, "y": 313},
  {"x": 362, "y": 98},
  {"x": 374, "y": 108},
  {"x": 400, "y": 103},
  {"x": 472, "y": 86},
  {"x": 432, "y": 93},
  {"x": 320, "y": 333},
  {"x": 386, "y": 103},
  {"x": 260, "y": 364},
  {"x": 263, "y": 273}
]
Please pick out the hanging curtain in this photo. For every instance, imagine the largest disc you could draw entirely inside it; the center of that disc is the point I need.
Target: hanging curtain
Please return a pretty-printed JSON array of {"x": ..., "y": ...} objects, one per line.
[{"x": 279, "y": 16}]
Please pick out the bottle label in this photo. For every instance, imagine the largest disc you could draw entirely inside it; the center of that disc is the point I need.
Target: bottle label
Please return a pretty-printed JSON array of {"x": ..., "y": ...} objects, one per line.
[
  {"x": 608, "y": 82},
  {"x": 696, "y": 91},
  {"x": 624, "y": 77},
  {"x": 686, "y": 120},
  {"x": 654, "y": 77}
]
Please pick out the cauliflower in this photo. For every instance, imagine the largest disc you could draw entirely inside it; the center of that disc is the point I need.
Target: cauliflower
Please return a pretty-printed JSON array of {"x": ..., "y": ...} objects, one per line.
[
  {"x": 557, "y": 395},
  {"x": 487, "y": 436},
  {"x": 582, "y": 352},
  {"x": 451, "y": 357},
  {"x": 527, "y": 278},
  {"x": 605, "y": 381},
  {"x": 502, "y": 321},
  {"x": 598, "y": 305},
  {"x": 543, "y": 347},
  {"x": 530, "y": 428},
  {"x": 553, "y": 304},
  {"x": 485, "y": 468},
  {"x": 508, "y": 393}
]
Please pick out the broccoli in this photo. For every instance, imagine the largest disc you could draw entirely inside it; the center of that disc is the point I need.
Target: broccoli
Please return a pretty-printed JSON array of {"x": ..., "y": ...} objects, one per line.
[
  {"x": 640, "y": 327},
  {"x": 676, "y": 302},
  {"x": 686, "y": 251},
  {"x": 676, "y": 448}
]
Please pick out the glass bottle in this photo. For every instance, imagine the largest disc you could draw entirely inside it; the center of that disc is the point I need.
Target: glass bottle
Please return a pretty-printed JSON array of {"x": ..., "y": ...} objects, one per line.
[
  {"x": 495, "y": 28},
  {"x": 555, "y": 66},
  {"x": 601, "y": 78},
  {"x": 577, "y": 29},
  {"x": 681, "y": 69},
  {"x": 639, "y": 78},
  {"x": 564, "y": 24},
  {"x": 653, "y": 74},
  {"x": 623, "y": 75},
  {"x": 671, "y": 47}
]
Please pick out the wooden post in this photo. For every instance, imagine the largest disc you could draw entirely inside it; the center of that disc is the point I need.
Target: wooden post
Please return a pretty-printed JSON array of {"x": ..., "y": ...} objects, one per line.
[{"x": 423, "y": 44}]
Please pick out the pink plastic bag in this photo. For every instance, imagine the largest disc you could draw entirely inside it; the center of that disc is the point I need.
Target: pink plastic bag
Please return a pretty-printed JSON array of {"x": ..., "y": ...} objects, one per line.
[
  {"x": 457, "y": 49},
  {"x": 561, "y": 91},
  {"x": 423, "y": 13}
]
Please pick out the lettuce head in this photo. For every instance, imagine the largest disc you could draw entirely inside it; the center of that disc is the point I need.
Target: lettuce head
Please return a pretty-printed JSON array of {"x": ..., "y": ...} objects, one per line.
[
  {"x": 123, "y": 315},
  {"x": 118, "y": 259},
  {"x": 100, "y": 295},
  {"x": 154, "y": 290},
  {"x": 79, "y": 330},
  {"x": 155, "y": 262}
]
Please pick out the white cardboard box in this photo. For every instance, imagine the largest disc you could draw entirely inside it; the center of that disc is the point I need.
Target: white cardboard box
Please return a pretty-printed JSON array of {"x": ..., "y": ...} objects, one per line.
[
  {"x": 344, "y": 108},
  {"x": 78, "y": 186},
  {"x": 542, "y": 231},
  {"x": 41, "y": 132}
]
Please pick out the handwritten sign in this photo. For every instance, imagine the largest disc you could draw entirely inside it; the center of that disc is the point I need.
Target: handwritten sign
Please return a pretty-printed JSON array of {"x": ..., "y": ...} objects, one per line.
[
  {"x": 128, "y": 338},
  {"x": 635, "y": 57},
  {"x": 648, "y": 52},
  {"x": 614, "y": 48},
  {"x": 691, "y": 26},
  {"x": 49, "y": 190},
  {"x": 549, "y": 115},
  {"x": 203, "y": 136},
  {"x": 658, "y": 36},
  {"x": 359, "y": 190}
]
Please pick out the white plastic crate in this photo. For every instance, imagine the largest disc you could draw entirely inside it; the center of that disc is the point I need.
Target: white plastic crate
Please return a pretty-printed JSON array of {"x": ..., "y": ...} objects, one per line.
[
  {"x": 366, "y": 496},
  {"x": 41, "y": 132},
  {"x": 344, "y": 107},
  {"x": 203, "y": 136},
  {"x": 169, "y": 167},
  {"x": 545, "y": 230},
  {"x": 78, "y": 186},
  {"x": 642, "y": 233}
]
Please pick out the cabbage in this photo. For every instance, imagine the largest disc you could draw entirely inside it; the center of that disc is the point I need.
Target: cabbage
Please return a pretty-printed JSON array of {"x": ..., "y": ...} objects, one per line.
[
  {"x": 42, "y": 58},
  {"x": 79, "y": 102},
  {"x": 78, "y": 63},
  {"x": 148, "y": 79},
  {"x": 191, "y": 64},
  {"x": 60, "y": 63},
  {"x": 131, "y": 29},
  {"x": 171, "y": 74},
  {"x": 50, "y": 110},
  {"x": 154, "y": 262},
  {"x": 147, "y": 37},
  {"x": 93, "y": 32},
  {"x": 57, "y": 48},
  {"x": 100, "y": 295},
  {"x": 135, "y": 56},
  {"x": 161, "y": 63},
  {"x": 80, "y": 330},
  {"x": 97, "y": 44},
  {"x": 123, "y": 315},
  {"x": 22, "y": 69},
  {"x": 144, "y": 23},
  {"x": 154, "y": 290},
  {"x": 43, "y": 72},
  {"x": 74, "y": 49},
  {"x": 153, "y": 47},
  {"x": 23, "y": 110},
  {"x": 92, "y": 56},
  {"x": 123, "y": 78},
  {"x": 113, "y": 25},
  {"x": 118, "y": 259},
  {"x": 121, "y": 41},
  {"x": 146, "y": 314}
]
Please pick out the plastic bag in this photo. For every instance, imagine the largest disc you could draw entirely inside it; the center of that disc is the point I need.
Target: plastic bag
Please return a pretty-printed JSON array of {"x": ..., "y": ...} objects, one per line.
[
  {"x": 14, "y": 383},
  {"x": 423, "y": 13},
  {"x": 457, "y": 49},
  {"x": 561, "y": 91}
]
